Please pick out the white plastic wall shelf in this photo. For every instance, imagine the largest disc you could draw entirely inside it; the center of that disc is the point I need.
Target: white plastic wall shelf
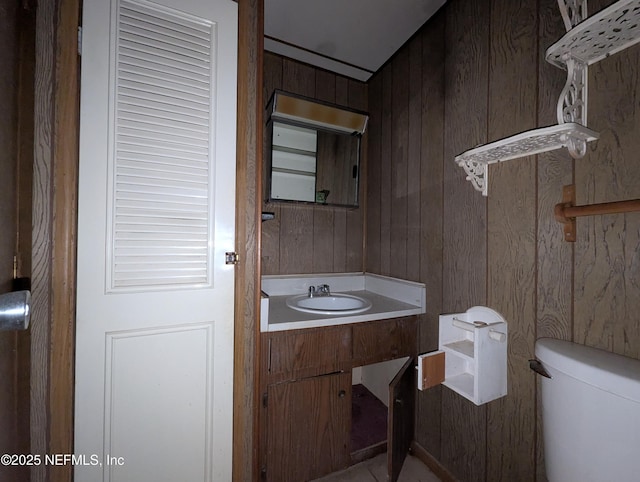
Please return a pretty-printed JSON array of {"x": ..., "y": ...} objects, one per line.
[
  {"x": 475, "y": 347},
  {"x": 586, "y": 42},
  {"x": 611, "y": 30},
  {"x": 475, "y": 162}
]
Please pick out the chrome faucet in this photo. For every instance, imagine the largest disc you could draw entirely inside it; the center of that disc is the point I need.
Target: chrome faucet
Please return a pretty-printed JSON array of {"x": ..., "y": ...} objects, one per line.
[
  {"x": 324, "y": 290},
  {"x": 320, "y": 290}
]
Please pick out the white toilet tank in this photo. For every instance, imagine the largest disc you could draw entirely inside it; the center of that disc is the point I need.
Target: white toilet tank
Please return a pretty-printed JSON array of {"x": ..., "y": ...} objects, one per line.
[{"x": 590, "y": 413}]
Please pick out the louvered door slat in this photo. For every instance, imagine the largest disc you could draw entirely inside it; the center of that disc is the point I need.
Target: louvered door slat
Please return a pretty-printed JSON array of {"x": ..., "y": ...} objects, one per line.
[
  {"x": 162, "y": 153},
  {"x": 171, "y": 24},
  {"x": 146, "y": 71},
  {"x": 154, "y": 109},
  {"x": 158, "y": 118}
]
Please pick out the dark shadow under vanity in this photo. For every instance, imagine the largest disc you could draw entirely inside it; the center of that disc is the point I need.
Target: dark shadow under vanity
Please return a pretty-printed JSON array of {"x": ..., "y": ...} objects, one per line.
[{"x": 368, "y": 419}]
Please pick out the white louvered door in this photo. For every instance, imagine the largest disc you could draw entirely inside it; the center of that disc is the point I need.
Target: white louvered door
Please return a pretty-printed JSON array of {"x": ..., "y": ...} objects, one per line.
[{"x": 154, "y": 339}]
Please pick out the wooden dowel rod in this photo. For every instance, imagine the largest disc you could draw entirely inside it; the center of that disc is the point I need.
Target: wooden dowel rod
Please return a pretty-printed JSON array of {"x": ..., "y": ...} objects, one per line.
[{"x": 602, "y": 208}]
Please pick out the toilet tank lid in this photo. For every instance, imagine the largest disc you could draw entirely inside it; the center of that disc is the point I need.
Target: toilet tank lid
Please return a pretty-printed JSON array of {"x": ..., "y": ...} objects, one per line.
[{"x": 608, "y": 371}]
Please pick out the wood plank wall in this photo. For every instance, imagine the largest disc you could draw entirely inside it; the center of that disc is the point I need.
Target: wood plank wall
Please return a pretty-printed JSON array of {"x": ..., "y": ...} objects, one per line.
[
  {"x": 477, "y": 70},
  {"x": 304, "y": 238},
  {"x": 463, "y": 425},
  {"x": 607, "y": 268},
  {"x": 511, "y": 243}
]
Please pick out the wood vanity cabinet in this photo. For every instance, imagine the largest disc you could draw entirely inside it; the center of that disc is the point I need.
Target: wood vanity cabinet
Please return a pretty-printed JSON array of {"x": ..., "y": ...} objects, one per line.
[
  {"x": 297, "y": 354},
  {"x": 308, "y": 427},
  {"x": 306, "y": 385},
  {"x": 377, "y": 341}
]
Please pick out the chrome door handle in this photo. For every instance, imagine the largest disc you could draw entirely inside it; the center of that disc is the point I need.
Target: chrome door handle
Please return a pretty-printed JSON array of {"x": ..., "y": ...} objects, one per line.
[{"x": 15, "y": 310}]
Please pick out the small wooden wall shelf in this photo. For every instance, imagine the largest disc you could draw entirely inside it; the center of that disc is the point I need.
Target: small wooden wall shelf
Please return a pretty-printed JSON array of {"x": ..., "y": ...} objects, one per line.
[{"x": 566, "y": 212}]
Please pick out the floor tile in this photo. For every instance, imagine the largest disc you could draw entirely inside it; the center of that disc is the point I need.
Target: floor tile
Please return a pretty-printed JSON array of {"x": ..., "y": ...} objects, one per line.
[
  {"x": 355, "y": 473},
  {"x": 414, "y": 470},
  {"x": 375, "y": 470}
]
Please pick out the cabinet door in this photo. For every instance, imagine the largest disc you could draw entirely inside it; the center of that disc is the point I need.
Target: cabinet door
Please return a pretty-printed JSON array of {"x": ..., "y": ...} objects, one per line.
[
  {"x": 401, "y": 418},
  {"x": 308, "y": 427}
]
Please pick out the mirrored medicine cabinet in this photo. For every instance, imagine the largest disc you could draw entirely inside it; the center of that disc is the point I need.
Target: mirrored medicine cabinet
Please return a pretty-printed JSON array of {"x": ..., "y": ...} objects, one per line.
[{"x": 313, "y": 154}]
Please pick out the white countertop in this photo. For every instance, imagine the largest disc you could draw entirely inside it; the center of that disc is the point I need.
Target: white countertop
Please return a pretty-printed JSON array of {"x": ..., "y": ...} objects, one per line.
[{"x": 390, "y": 298}]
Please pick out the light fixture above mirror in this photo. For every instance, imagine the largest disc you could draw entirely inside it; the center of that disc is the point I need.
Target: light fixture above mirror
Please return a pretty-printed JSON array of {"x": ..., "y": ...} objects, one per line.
[{"x": 315, "y": 114}]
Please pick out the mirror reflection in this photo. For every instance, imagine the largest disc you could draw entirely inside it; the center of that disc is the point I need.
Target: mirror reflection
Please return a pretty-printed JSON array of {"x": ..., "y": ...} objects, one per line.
[{"x": 313, "y": 165}]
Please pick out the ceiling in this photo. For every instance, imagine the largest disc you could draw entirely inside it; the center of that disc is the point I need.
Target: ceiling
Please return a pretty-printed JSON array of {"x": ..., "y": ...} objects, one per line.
[{"x": 350, "y": 37}]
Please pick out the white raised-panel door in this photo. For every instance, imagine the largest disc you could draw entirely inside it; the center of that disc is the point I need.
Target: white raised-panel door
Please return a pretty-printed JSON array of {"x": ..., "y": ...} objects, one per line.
[{"x": 154, "y": 341}]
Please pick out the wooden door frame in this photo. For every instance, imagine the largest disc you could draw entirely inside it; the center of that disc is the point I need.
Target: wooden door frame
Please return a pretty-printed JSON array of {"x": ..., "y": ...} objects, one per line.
[
  {"x": 248, "y": 236},
  {"x": 54, "y": 228},
  {"x": 56, "y": 119}
]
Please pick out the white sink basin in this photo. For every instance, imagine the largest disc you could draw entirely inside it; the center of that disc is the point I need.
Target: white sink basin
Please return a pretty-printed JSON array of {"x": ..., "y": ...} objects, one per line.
[{"x": 335, "y": 304}]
